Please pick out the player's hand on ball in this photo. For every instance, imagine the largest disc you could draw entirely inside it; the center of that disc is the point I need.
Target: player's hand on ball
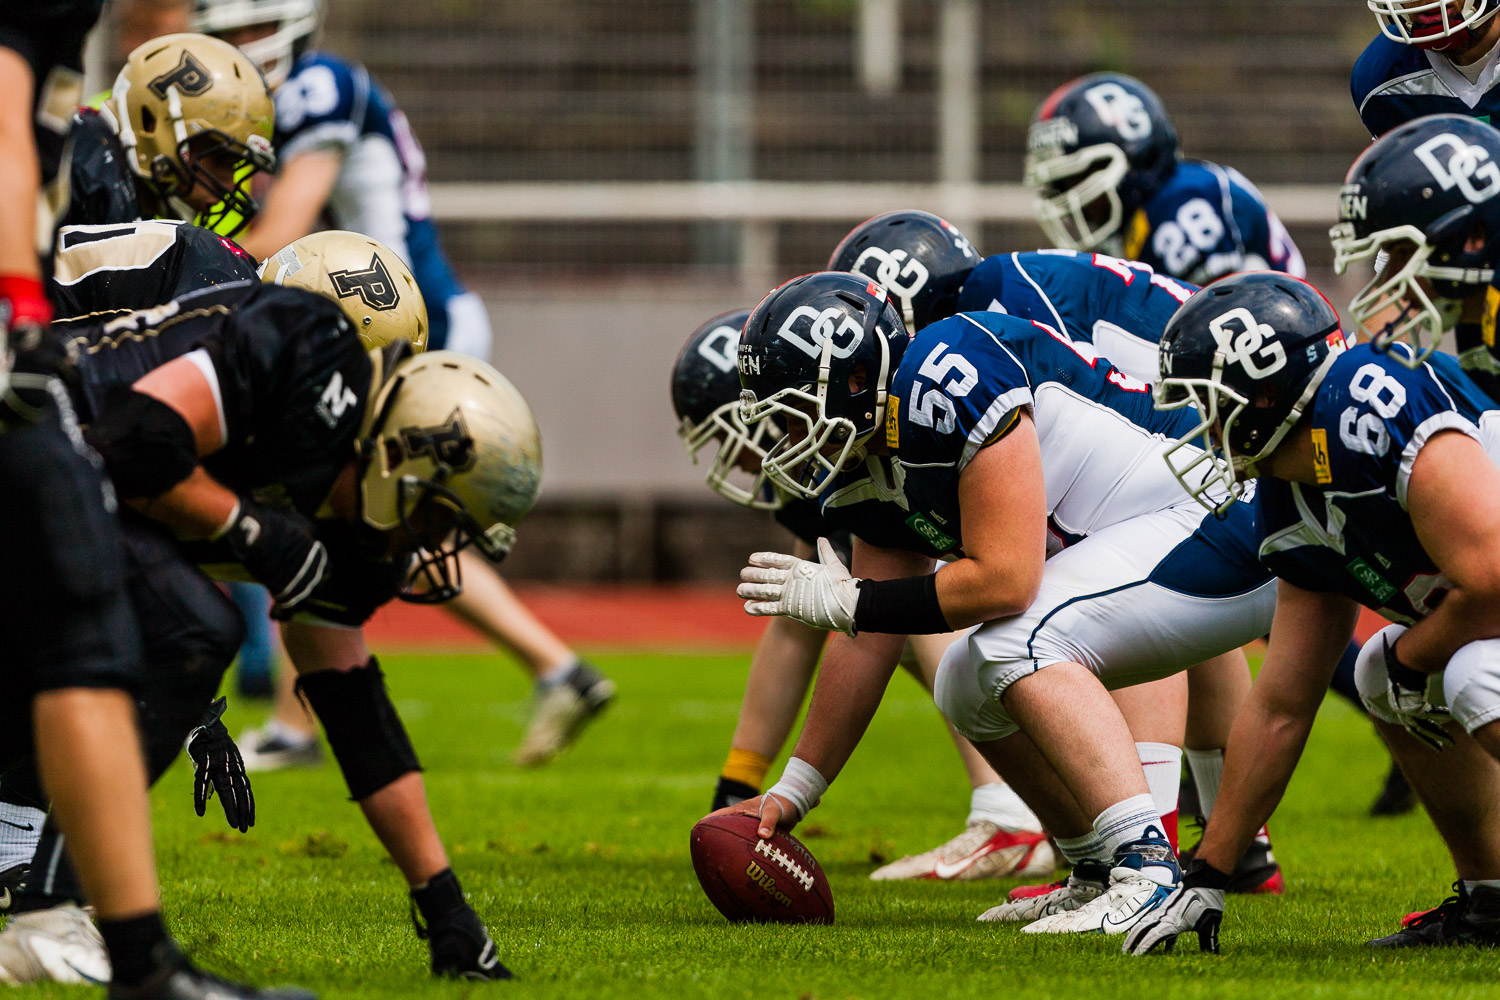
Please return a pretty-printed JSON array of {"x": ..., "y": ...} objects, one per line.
[
  {"x": 821, "y": 594},
  {"x": 774, "y": 813},
  {"x": 220, "y": 768},
  {"x": 1194, "y": 907}
]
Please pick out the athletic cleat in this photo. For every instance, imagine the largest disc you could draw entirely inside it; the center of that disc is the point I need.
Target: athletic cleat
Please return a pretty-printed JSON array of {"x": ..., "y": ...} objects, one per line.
[
  {"x": 59, "y": 945},
  {"x": 1143, "y": 878},
  {"x": 460, "y": 946},
  {"x": 561, "y": 712},
  {"x": 1037, "y": 889},
  {"x": 983, "y": 850},
  {"x": 270, "y": 748},
  {"x": 175, "y": 978},
  {"x": 1086, "y": 884},
  {"x": 1465, "y": 918},
  {"x": 10, "y": 881},
  {"x": 1257, "y": 873}
]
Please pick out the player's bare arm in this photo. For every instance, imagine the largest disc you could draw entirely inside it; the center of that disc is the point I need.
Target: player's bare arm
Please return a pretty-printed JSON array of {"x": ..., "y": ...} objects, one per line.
[{"x": 295, "y": 202}]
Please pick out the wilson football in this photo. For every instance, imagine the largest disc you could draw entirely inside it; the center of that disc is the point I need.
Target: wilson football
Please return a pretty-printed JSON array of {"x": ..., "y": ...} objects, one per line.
[{"x": 749, "y": 879}]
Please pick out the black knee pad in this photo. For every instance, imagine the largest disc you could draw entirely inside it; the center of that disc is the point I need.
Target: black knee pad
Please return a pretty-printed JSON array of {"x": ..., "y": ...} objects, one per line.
[{"x": 364, "y": 731}]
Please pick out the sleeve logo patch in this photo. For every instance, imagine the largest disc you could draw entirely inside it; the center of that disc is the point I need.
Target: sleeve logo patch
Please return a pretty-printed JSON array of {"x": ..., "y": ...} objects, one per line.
[
  {"x": 1381, "y": 588},
  {"x": 893, "y": 422},
  {"x": 931, "y": 534},
  {"x": 1322, "y": 466}
]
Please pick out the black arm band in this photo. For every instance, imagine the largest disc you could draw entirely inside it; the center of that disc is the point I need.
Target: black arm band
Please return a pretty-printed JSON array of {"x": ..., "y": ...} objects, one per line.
[
  {"x": 147, "y": 446},
  {"x": 908, "y": 606}
]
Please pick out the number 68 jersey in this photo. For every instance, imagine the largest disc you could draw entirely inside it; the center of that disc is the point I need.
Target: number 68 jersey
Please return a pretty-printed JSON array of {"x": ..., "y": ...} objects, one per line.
[
  {"x": 1352, "y": 534},
  {"x": 961, "y": 385}
]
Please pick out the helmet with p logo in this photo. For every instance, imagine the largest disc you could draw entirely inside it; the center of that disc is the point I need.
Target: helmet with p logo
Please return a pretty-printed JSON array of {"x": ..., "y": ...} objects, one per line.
[{"x": 374, "y": 287}]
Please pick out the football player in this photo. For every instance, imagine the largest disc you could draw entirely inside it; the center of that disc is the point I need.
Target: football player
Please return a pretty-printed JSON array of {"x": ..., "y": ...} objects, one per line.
[
  {"x": 1103, "y": 163},
  {"x": 1431, "y": 57},
  {"x": 230, "y": 419},
  {"x": 983, "y": 438},
  {"x": 1377, "y": 487},
  {"x": 1002, "y": 836},
  {"x": 73, "y": 647},
  {"x": 348, "y": 153}
]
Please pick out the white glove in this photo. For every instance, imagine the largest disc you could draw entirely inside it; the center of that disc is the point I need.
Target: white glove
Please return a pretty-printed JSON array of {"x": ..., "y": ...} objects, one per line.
[
  {"x": 1195, "y": 909},
  {"x": 1407, "y": 691},
  {"x": 821, "y": 594}
]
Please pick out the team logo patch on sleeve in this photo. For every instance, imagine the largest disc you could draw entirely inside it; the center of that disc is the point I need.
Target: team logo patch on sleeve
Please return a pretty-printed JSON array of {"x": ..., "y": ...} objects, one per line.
[
  {"x": 188, "y": 76},
  {"x": 373, "y": 285},
  {"x": 893, "y": 423},
  {"x": 1322, "y": 466},
  {"x": 1378, "y": 586},
  {"x": 929, "y": 531}
]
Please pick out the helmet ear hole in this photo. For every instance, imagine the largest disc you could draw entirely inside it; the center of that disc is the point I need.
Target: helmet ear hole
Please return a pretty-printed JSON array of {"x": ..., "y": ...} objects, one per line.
[
  {"x": 148, "y": 120},
  {"x": 859, "y": 379}
]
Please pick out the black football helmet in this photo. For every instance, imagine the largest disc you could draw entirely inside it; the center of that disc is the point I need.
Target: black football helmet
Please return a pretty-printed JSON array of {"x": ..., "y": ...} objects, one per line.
[
  {"x": 1249, "y": 352},
  {"x": 706, "y": 396},
  {"x": 818, "y": 354},
  {"x": 918, "y": 258},
  {"x": 1099, "y": 148},
  {"x": 1438, "y": 25},
  {"x": 1425, "y": 194}
]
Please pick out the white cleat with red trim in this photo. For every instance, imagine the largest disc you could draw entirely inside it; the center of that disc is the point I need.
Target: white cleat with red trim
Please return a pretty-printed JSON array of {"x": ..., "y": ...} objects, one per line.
[{"x": 983, "y": 850}]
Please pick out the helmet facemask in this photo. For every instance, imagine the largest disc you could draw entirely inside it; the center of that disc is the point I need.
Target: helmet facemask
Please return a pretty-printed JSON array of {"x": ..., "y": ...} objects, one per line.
[
  {"x": 1414, "y": 289},
  {"x": 739, "y": 444},
  {"x": 204, "y": 159},
  {"x": 1067, "y": 185},
  {"x": 1431, "y": 23},
  {"x": 438, "y": 528},
  {"x": 803, "y": 467}
]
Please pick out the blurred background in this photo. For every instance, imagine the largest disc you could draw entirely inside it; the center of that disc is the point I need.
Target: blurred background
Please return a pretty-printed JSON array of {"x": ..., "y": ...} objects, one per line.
[{"x": 610, "y": 173}]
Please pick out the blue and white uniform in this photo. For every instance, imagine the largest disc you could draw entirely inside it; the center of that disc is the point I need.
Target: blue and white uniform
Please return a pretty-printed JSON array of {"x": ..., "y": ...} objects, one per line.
[
  {"x": 1393, "y": 84},
  {"x": 1141, "y": 583},
  {"x": 1354, "y": 536},
  {"x": 1121, "y": 307},
  {"x": 1207, "y": 221},
  {"x": 381, "y": 191}
]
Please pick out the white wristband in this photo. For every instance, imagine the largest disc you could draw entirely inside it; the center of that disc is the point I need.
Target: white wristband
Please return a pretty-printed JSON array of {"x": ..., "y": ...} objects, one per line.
[{"x": 801, "y": 785}]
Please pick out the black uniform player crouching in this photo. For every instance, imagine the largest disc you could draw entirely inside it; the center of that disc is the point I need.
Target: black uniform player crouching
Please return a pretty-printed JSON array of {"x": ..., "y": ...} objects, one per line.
[{"x": 247, "y": 427}]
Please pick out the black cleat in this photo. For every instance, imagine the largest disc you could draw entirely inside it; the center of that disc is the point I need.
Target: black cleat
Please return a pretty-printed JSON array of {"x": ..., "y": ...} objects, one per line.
[
  {"x": 1257, "y": 873},
  {"x": 175, "y": 978},
  {"x": 729, "y": 792},
  {"x": 1396, "y": 797},
  {"x": 1465, "y": 918},
  {"x": 461, "y": 946}
]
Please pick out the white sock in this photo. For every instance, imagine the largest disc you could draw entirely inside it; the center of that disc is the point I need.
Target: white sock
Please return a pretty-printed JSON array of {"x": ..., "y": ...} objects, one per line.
[
  {"x": 556, "y": 674},
  {"x": 1126, "y": 821},
  {"x": 1162, "y": 763},
  {"x": 1208, "y": 770},
  {"x": 20, "y": 830},
  {"x": 998, "y": 803},
  {"x": 1473, "y": 883},
  {"x": 1085, "y": 848}
]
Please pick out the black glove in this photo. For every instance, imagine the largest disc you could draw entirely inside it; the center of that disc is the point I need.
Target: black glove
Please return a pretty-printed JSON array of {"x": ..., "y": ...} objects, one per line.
[
  {"x": 220, "y": 768},
  {"x": 278, "y": 549},
  {"x": 359, "y": 578}
]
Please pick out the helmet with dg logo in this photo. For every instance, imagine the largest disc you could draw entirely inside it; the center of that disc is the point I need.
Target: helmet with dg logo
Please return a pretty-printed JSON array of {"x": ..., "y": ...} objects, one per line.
[
  {"x": 374, "y": 287},
  {"x": 706, "y": 396},
  {"x": 1249, "y": 353},
  {"x": 193, "y": 111},
  {"x": 1099, "y": 148},
  {"x": 818, "y": 354},
  {"x": 1428, "y": 195},
  {"x": 919, "y": 259},
  {"x": 449, "y": 454},
  {"x": 1432, "y": 24}
]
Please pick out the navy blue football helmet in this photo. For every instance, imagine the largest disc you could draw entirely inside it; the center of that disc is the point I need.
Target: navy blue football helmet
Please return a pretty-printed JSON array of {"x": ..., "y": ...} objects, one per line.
[
  {"x": 1427, "y": 194},
  {"x": 1438, "y": 25},
  {"x": 1099, "y": 148},
  {"x": 818, "y": 353},
  {"x": 706, "y": 396},
  {"x": 1249, "y": 353},
  {"x": 918, "y": 258}
]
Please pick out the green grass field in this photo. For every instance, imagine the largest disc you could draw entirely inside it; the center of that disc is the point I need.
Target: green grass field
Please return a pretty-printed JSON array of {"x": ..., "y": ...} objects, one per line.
[{"x": 582, "y": 872}]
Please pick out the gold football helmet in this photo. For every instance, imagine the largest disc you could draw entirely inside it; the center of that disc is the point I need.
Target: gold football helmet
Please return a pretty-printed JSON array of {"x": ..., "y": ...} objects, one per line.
[
  {"x": 374, "y": 287},
  {"x": 450, "y": 455},
  {"x": 193, "y": 114}
]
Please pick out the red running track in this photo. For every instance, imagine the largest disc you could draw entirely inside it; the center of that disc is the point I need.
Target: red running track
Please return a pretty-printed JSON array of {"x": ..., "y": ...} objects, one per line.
[{"x": 605, "y": 615}]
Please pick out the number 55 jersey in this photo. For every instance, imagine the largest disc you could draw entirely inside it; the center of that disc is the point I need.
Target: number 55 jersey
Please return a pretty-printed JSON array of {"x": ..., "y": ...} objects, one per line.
[{"x": 1352, "y": 534}]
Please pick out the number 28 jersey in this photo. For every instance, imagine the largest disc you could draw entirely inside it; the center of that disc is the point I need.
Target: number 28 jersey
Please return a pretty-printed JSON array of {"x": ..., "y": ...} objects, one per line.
[
  {"x": 962, "y": 385},
  {"x": 1353, "y": 535},
  {"x": 1121, "y": 307}
]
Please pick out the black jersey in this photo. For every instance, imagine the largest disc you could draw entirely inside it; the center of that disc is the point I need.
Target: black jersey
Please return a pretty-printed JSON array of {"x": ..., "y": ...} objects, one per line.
[
  {"x": 49, "y": 35},
  {"x": 101, "y": 186},
  {"x": 292, "y": 381},
  {"x": 119, "y": 268}
]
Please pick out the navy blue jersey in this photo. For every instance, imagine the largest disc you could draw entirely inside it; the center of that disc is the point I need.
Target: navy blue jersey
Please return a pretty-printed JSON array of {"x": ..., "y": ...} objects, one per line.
[
  {"x": 330, "y": 103},
  {"x": 1121, "y": 307},
  {"x": 1353, "y": 535},
  {"x": 1207, "y": 221},
  {"x": 962, "y": 385},
  {"x": 1393, "y": 84}
]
